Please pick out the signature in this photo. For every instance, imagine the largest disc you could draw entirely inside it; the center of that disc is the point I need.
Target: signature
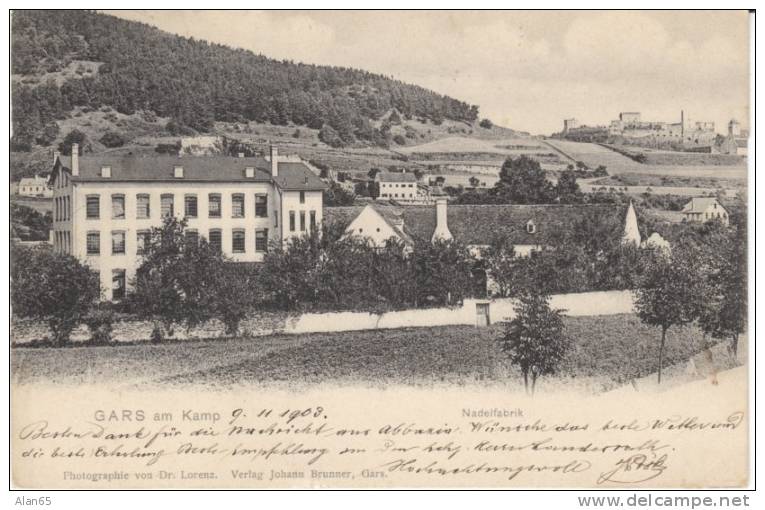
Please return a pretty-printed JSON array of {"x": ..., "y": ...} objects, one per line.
[{"x": 635, "y": 469}]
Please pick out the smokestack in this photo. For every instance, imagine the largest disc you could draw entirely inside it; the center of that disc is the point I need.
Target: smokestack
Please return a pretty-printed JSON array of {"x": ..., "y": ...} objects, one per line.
[
  {"x": 274, "y": 161},
  {"x": 75, "y": 159},
  {"x": 442, "y": 229}
]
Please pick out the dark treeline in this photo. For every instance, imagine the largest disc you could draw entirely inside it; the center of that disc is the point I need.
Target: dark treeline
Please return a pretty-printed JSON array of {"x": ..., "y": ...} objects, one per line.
[{"x": 195, "y": 83}]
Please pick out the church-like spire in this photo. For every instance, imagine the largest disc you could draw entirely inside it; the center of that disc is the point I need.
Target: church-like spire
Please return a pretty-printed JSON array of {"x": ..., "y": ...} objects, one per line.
[{"x": 631, "y": 230}]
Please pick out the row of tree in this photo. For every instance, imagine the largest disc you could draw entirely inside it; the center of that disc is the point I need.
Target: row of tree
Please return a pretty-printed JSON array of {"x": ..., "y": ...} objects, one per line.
[{"x": 196, "y": 83}]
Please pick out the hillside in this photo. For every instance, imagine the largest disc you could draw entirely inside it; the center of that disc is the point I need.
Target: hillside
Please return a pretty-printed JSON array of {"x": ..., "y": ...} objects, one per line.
[{"x": 66, "y": 63}]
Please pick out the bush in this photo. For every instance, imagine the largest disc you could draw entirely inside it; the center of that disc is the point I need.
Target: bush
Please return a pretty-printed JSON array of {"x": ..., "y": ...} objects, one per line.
[
  {"x": 112, "y": 139},
  {"x": 400, "y": 140},
  {"x": 99, "y": 321},
  {"x": 486, "y": 124}
]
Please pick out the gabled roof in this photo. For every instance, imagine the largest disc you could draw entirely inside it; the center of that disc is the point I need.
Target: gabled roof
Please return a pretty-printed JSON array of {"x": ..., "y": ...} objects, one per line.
[
  {"x": 701, "y": 204},
  {"x": 396, "y": 177},
  {"x": 477, "y": 225},
  {"x": 292, "y": 176}
]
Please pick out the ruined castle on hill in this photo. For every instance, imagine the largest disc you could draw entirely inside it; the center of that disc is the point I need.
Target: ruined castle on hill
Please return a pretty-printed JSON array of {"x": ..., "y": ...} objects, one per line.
[{"x": 630, "y": 128}]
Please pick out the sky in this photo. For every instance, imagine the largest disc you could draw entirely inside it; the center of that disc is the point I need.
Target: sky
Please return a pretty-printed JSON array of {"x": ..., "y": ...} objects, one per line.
[{"x": 527, "y": 70}]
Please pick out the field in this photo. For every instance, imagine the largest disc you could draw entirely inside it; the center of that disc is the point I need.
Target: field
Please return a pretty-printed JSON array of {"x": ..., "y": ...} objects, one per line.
[
  {"x": 594, "y": 155},
  {"x": 607, "y": 351}
]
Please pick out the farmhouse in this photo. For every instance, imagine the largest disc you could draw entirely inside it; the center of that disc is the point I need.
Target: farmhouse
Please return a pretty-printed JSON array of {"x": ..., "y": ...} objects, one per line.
[
  {"x": 703, "y": 209},
  {"x": 105, "y": 206},
  {"x": 36, "y": 186},
  {"x": 397, "y": 185},
  {"x": 528, "y": 227}
]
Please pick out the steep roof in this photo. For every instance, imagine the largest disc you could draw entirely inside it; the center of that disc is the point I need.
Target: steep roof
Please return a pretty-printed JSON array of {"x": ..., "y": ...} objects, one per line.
[
  {"x": 396, "y": 177},
  {"x": 195, "y": 168},
  {"x": 478, "y": 224},
  {"x": 700, "y": 204},
  {"x": 297, "y": 176}
]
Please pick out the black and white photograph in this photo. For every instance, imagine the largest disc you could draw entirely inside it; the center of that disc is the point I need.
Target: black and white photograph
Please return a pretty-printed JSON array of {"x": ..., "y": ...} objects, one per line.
[{"x": 381, "y": 249}]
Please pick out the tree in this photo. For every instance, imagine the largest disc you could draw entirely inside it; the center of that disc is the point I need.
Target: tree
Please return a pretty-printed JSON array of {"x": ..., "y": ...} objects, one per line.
[
  {"x": 474, "y": 181},
  {"x": 486, "y": 124},
  {"x": 500, "y": 264},
  {"x": 443, "y": 270},
  {"x": 522, "y": 181},
  {"x": 668, "y": 293},
  {"x": 373, "y": 173},
  {"x": 336, "y": 195},
  {"x": 74, "y": 136},
  {"x": 535, "y": 339},
  {"x": 52, "y": 287},
  {"x": 177, "y": 280},
  {"x": 567, "y": 189},
  {"x": 724, "y": 310}
]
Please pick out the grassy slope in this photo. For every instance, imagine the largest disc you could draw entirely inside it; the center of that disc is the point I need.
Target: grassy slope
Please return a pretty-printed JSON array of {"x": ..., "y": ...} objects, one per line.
[{"x": 606, "y": 351}]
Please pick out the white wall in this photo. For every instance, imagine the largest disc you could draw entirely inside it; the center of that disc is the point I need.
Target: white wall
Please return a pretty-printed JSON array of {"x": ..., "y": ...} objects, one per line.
[
  {"x": 290, "y": 201},
  {"x": 580, "y": 304},
  {"x": 371, "y": 226}
]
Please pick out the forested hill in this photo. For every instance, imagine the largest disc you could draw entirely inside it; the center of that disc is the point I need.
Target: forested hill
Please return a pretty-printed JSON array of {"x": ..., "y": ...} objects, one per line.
[{"x": 67, "y": 59}]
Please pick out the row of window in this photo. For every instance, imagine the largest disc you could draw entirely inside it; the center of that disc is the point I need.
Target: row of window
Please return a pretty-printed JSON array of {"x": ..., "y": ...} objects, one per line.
[
  {"x": 167, "y": 206},
  {"x": 63, "y": 209},
  {"x": 311, "y": 219},
  {"x": 396, "y": 185},
  {"x": 215, "y": 238},
  {"x": 395, "y": 195},
  {"x": 62, "y": 242}
]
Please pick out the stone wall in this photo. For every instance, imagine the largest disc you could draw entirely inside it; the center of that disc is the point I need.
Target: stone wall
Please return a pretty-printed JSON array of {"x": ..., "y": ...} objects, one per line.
[{"x": 268, "y": 323}]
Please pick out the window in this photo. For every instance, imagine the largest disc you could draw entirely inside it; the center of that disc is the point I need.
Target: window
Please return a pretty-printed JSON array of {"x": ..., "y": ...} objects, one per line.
[
  {"x": 213, "y": 208},
  {"x": 312, "y": 216},
  {"x": 92, "y": 207},
  {"x": 190, "y": 204},
  {"x": 143, "y": 210},
  {"x": 93, "y": 243},
  {"x": 276, "y": 218},
  {"x": 292, "y": 221},
  {"x": 192, "y": 237},
  {"x": 118, "y": 242},
  {"x": 237, "y": 241},
  {"x": 237, "y": 205},
  {"x": 531, "y": 227},
  {"x": 118, "y": 284},
  {"x": 166, "y": 205},
  {"x": 118, "y": 207},
  {"x": 261, "y": 240},
  {"x": 216, "y": 239},
  {"x": 302, "y": 197},
  {"x": 302, "y": 221},
  {"x": 143, "y": 238},
  {"x": 261, "y": 206}
]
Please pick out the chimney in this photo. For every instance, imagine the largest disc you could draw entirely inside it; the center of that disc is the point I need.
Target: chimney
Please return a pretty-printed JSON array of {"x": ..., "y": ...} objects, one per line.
[
  {"x": 274, "y": 161},
  {"x": 75, "y": 159},
  {"x": 442, "y": 229}
]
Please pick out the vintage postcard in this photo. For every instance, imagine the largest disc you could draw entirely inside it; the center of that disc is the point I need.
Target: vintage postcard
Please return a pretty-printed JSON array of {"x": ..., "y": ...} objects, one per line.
[{"x": 380, "y": 249}]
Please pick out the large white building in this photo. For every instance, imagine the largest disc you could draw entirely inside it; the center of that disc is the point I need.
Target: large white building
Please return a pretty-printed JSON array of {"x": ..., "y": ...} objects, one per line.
[{"x": 105, "y": 206}]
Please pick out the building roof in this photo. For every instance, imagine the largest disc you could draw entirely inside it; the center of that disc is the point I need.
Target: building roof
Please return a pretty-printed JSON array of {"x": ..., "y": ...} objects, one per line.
[
  {"x": 292, "y": 176},
  {"x": 297, "y": 176},
  {"x": 477, "y": 225},
  {"x": 701, "y": 204},
  {"x": 32, "y": 181},
  {"x": 396, "y": 177}
]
